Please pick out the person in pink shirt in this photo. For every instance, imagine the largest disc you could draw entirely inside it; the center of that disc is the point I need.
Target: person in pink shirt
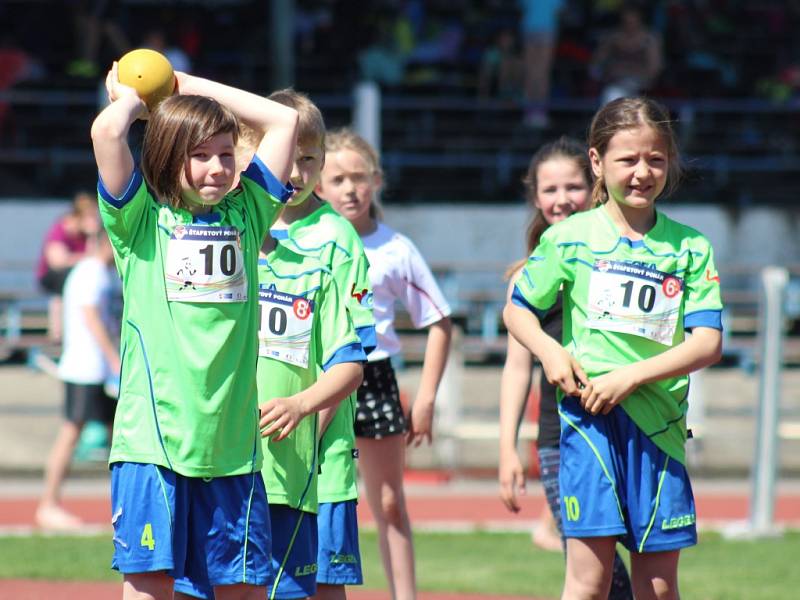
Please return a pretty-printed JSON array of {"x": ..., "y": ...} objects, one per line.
[{"x": 65, "y": 243}]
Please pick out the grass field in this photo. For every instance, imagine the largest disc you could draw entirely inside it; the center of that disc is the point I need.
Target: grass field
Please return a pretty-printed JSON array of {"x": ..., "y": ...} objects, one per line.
[{"x": 717, "y": 569}]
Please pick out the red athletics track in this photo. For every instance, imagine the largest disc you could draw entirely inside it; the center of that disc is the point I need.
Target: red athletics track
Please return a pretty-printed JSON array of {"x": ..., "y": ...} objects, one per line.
[
  {"x": 434, "y": 508},
  {"x": 431, "y": 507},
  {"x": 49, "y": 590}
]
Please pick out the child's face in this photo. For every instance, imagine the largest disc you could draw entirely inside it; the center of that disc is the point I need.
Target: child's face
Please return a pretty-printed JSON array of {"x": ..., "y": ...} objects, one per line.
[
  {"x": 309, "y": 158},
  {"x": 348, "y": 183},
  {"x": 634, "y": 166},
  {"x": 210, "y": 172},
  {"x": 561, "y": 189}
]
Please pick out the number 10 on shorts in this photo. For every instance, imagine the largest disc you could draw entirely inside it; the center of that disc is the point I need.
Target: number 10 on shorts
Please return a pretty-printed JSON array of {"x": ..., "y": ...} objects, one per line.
[{"x": 572, "y": 508}]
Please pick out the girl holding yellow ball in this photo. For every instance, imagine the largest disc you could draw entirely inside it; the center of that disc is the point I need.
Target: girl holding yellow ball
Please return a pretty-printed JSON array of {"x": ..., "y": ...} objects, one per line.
[{"x": 187, "y": 494}]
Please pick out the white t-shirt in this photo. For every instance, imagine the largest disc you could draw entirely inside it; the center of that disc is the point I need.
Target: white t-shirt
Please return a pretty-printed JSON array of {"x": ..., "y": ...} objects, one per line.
[
  {"x": 89, "y": 283},
  {"x": 397, "y": 271}
]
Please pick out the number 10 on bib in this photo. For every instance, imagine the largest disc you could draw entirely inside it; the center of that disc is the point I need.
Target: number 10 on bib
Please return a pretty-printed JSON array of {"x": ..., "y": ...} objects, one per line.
[
  {"x": 633, "y": 298},
  {"x": 286, "y": 325}
]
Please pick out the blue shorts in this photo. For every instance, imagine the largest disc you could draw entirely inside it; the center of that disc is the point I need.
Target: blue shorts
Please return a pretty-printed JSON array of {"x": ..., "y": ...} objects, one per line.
[
  {"x": 294, "y": 553},
  {"x": 214, "y": 530},
  {"x": 615, "y": 481},
  {"x": 339, "y": 560}
]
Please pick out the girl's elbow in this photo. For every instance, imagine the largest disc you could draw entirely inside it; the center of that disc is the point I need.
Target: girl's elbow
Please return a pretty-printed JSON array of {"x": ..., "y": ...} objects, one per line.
[
  {"x": 716, "y": 354},
  {"x": 445, "y": 324},
  {"x": 713, "y": 352},
  {"x": 358, "y": 376},
  {"x": 99, "y": 129},
  {"x": 290, "y": 118},
  {"x": 508, "y": 315},
  {"x": 103, "y": 130}
]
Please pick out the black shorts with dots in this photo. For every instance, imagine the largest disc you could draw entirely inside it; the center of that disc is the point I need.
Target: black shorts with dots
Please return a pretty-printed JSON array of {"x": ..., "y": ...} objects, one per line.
[{"x": 379, "y": 412}]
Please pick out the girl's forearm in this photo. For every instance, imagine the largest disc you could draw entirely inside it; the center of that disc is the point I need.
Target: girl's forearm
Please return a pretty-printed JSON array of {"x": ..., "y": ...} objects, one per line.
[
  {"x": 437, "y": 349},
  {"x": 110, "y": 142},
  {"x": 515, "y": 383},
  {"x": 256, "y": 111},
  {"x": 702, "y": 349},
  {"x": 527, "y": 330},
  {"x": 332, "y": 387}
]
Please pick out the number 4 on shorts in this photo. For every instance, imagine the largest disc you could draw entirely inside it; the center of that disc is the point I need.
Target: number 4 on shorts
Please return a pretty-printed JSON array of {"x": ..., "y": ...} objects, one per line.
[{"x": 147, "y": 537}]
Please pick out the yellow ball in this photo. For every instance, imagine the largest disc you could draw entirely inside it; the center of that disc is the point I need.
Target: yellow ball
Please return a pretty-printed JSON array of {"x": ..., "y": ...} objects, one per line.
[{"x": 149, "y": 73}]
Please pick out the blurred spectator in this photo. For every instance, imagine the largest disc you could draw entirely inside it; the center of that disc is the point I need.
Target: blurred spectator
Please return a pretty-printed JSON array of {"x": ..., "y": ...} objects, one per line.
[
  {"x": 308, "y": 20},
  {"x": 89, "y": 359},
  {"x": 94, "y": 25},
  {"x": 500, "y": 72},
  {"x": 383, "y": 61},
  {"x": 629, "y": 58},
  {"x": 540, "y": 33},
  {"x": 156, "y": 39},
  {"x": 16, "y": 66},
  {"x": 64, "y": 245},
  {"x": 781, "y": 87}
]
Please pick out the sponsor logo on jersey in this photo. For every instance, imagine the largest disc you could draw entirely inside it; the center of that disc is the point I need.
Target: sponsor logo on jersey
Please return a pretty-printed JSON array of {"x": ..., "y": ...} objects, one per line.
[{"x": 357, "y": 295}]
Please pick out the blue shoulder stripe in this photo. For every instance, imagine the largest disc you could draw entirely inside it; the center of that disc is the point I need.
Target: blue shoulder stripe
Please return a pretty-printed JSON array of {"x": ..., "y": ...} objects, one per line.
[
  {"x": 703, "y": 318},
  {"x": 368, "y": 337},
  {"x": 519, "y": 300},
  {"x": 130, "y": 191},
  {"x": 260, "y": 173},
  {"x": 352, "y": 352}
]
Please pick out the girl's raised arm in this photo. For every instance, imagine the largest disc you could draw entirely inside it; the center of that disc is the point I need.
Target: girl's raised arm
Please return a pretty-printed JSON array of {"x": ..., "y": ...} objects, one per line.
[
  {"x": 277, "y": 123},
  {"x": 110, "y": 134}
]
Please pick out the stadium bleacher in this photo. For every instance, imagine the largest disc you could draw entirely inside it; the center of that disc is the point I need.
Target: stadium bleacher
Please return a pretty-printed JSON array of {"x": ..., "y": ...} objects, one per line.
[{"x": 440, "y": 142}]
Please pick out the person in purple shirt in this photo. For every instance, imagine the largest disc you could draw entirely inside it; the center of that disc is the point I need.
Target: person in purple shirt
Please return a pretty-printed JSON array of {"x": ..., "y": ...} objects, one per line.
[{"x": 65, "y": 243}]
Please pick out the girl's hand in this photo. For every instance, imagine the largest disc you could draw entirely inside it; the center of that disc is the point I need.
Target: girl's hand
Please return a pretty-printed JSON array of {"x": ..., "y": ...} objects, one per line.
[
  {"x": 512, "y": 480},
  {"x": 563, "y": 370},
  {"x": 609, "y": 390},
  {"x": 281, "y": 416},
  {"x": 117, "y": 90},
  {"x": 420, "y": 422}
]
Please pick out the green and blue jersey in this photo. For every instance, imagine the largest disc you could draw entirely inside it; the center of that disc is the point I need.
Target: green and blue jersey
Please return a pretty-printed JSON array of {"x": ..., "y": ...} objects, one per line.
[
  {"x": 331, "y": 239},
  {"x": 626, "y": 301},
  {"x": 189, "y": 334},
  {"x": 304, "y": 330}
]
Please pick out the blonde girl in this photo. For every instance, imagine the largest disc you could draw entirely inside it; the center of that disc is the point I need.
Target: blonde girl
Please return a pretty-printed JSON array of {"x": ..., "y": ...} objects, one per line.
[{"x": 351, "y": 180}]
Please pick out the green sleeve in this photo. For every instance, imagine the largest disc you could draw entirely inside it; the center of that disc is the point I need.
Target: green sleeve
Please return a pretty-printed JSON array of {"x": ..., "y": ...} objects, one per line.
[
  {"x": 337, "y": 337},
  {"x": 351, "y": 275},
  {"x": 264, "y": 195},
  {"x": 123, "y": 217},
  {"x": 541, "y": 278},
  {"x": 701, "y": 295}
]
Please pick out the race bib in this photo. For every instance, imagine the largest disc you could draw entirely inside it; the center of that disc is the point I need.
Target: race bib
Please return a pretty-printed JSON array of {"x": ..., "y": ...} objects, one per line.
[
  {"x": 285, "y": 329},
  {"x": 205, "y": 264},
  {"x": 633, "y": 298}
]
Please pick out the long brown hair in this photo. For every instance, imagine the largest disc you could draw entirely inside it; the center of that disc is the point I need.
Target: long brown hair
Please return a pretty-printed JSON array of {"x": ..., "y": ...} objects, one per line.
[
  {"x": 563, "y": 147},
  {"x": 178, "y": 125},
  {"x": 630, "y": 113}
]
